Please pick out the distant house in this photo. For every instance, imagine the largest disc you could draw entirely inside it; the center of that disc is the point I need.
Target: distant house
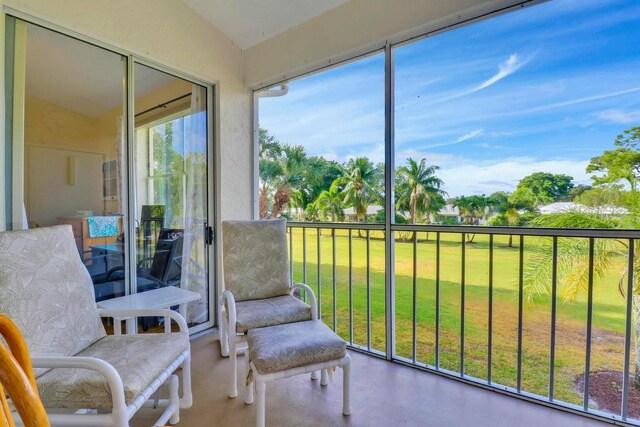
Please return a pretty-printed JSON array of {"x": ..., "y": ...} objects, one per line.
[
  {"x": 350, "y": 213},
  {"x": 562, "y": 207},
  {"x": 447, "y": 214}
]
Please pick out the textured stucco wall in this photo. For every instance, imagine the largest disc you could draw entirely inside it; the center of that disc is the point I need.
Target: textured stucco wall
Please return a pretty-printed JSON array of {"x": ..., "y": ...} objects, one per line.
[{"x": 169, "y": 32}]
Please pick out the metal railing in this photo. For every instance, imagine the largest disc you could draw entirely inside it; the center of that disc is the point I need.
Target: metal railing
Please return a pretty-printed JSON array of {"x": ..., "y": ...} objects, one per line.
[{"x": 331, "y": 289}]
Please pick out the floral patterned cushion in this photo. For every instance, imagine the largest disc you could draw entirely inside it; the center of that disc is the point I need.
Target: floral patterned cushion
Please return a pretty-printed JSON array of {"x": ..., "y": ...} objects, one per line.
[
  {"x": 139, "y": 359},
  {"x": 255, "y": 259},
  {"x": 282, "y": 347},
  {"x": 269, "y": 312},
  {"x": 47, "y": 291}
]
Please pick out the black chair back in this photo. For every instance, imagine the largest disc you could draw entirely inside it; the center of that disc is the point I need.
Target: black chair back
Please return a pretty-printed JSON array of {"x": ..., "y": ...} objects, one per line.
[{"x": 166, "y": 265}]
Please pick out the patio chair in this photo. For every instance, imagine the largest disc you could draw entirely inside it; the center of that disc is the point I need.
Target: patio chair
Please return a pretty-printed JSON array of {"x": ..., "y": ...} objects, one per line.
[
  {"x": 258, "y": 290},
  {"x": 16, "y": 378},
  {"x": 84, "y": 376}
]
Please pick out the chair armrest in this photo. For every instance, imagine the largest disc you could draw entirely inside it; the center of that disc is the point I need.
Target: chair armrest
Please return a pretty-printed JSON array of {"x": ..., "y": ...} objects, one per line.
[
  {"x": 113, "y": 270},
  {"x": 312, "y": 298},
  {"x": 147, "y": 313},
  {"x": 92, "y": 363},
  {"x": 227, "y": 296}
]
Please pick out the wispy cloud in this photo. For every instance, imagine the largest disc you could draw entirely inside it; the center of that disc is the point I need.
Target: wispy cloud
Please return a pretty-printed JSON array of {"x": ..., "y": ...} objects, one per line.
[
  {"x": 508, "y": 67},
  {"x": 505, "y": 69},
  {"x": 578, "y": 101},
  {"x": 620, "y": 116},
  {"x": 469, "y": 135}
]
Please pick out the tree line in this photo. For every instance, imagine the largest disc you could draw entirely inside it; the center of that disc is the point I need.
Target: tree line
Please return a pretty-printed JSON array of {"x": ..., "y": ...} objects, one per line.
[{"x": 310, "y": 188}]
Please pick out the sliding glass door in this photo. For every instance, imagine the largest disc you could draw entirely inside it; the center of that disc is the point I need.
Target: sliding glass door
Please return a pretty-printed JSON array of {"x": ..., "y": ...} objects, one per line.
[
  {"x": 170, "y": 146},
  {"x": 66, "y": 135},
  {"x": 130, "y": 178}
]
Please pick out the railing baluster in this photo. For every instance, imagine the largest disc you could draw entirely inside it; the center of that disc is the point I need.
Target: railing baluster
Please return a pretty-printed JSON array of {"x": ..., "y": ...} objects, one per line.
[
  {"x": 368, "y": 290},
  {"x": 335, "y": 307},
  {"x": 627, "y": 332},
  {"x": 304, "y": 256},
  {"x": 350, "y": 286},
  {"x": 490, "y": 312},
  {"x": 554, "y": 296},
  {"x": 520, "y": 303},
  {"x": 415, "y": 296},
  {"x": 591, "y": 235},
  {"x": 438, "y": 300},
  {"x": 462, "y": 295},
  {"x": 291, "y": 254},
  {"x": 587, "y": 361},
  {"x": 319, "y": 297}
]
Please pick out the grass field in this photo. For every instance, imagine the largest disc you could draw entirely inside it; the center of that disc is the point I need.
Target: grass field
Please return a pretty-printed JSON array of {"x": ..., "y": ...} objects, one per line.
[{"x": 607, "y": 351}]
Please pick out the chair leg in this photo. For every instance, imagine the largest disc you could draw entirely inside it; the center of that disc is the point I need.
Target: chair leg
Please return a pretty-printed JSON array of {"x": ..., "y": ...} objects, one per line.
[
  {"x": 261, "y": 389},
  {"x": 314, "y": 375},
  {"x": 174, "y": 400},
  {"x": 233, "y": 379},
  {"x": 224, "y": 335},
  {"x": 187, "y": 396},
  {"x": 346, "y": 387},
  {"x": 324, "y": 377},
  {"x": 248, "y": 392}
]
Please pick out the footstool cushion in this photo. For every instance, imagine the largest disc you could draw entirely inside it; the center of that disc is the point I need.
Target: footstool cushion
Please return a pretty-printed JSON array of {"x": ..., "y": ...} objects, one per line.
[{"x": 282, "y": 347}]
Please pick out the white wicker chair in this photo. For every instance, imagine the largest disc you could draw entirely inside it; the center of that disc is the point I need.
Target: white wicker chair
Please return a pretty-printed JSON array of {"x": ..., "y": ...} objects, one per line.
[
  {"x": 258, "y": 290},
  {"x": 84, "y": 376}
]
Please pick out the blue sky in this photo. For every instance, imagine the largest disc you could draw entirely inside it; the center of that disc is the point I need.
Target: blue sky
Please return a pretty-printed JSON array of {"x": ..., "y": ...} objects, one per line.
[{"x": 541, "y": 89}]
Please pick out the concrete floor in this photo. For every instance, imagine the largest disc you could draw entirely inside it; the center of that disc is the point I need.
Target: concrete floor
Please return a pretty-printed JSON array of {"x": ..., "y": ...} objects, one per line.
[{"x": 382, "y": 394}]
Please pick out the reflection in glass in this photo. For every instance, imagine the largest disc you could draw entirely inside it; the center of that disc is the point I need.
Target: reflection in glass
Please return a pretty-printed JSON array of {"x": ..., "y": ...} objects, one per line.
[{"x": 171, "y": 185}]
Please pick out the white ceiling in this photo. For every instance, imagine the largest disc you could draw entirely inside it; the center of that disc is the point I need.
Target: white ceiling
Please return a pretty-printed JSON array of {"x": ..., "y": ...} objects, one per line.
[
  {"x": 249, "y": 22},
  {"x": 79, "y": 76}
]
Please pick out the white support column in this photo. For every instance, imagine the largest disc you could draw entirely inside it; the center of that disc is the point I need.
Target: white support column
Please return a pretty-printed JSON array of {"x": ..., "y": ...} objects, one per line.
[
  {"x": 17, "y": 144},
  {"x": 3, "y": 220}
]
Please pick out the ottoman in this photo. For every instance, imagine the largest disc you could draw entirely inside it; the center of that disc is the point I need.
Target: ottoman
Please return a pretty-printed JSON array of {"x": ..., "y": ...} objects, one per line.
[{"x": 283, "y": 351}]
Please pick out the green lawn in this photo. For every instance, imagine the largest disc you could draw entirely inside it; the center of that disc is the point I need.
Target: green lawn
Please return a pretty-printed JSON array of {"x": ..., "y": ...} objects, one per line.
[{"x": 608, "y": 313}]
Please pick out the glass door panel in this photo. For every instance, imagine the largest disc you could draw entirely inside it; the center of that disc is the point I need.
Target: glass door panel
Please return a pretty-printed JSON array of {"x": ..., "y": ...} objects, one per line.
[
  {"x": 170, "y": 145},
  {"x": 66, "y": 139}
]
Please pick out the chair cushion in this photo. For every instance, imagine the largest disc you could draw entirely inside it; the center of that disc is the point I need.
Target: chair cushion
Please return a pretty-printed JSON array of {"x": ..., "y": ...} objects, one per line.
[
  {"x": 47, "y": 291},
  {"x": 139, "y": 359},
  {"x": 255, "y": 259},
  {"x": 282, "y": 347},
  {"x": 269, "y": 312}
]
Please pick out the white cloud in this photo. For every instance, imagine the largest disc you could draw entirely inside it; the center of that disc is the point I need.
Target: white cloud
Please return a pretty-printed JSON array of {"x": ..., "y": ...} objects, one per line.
[
  {"x": 575, "y": 101},
  {"x": 508, "y": 67},
  {"x": 466, "y": 176},
  {"x": 465, "y": 137},
  {"x": 469, "y": 135},
  {"x": 620, "y": 116}
]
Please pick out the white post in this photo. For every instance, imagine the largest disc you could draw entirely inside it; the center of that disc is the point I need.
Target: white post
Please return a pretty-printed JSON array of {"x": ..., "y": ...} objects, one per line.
[
  {"x": 187, "y": 396},
  {"x": 324, "y": 377},
  {"x": 248, "y": 393},
  {"x": 261, "y": 390},
  {"x": 346, "y": 386},
  {"x": 233, "y": 379},
  {"x": 174, "y": 399}
]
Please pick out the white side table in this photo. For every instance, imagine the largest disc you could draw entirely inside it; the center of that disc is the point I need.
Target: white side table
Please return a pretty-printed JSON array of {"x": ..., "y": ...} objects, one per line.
[{"x": 154, "y": 299}]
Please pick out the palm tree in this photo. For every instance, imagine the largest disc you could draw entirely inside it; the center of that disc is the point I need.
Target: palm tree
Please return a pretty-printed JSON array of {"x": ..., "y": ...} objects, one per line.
[
  {"x": 573, "y": 264},
  {"x": 270, "y": 170},
  {"x": 293, "y": 163},
  {"x": 331, "y": 202},
  {"x": 361, "y": 182},
  {"x": 472, "y": 209},
  {"x": 418, "y": 188},
  {"x": 508, "y": 209}
]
